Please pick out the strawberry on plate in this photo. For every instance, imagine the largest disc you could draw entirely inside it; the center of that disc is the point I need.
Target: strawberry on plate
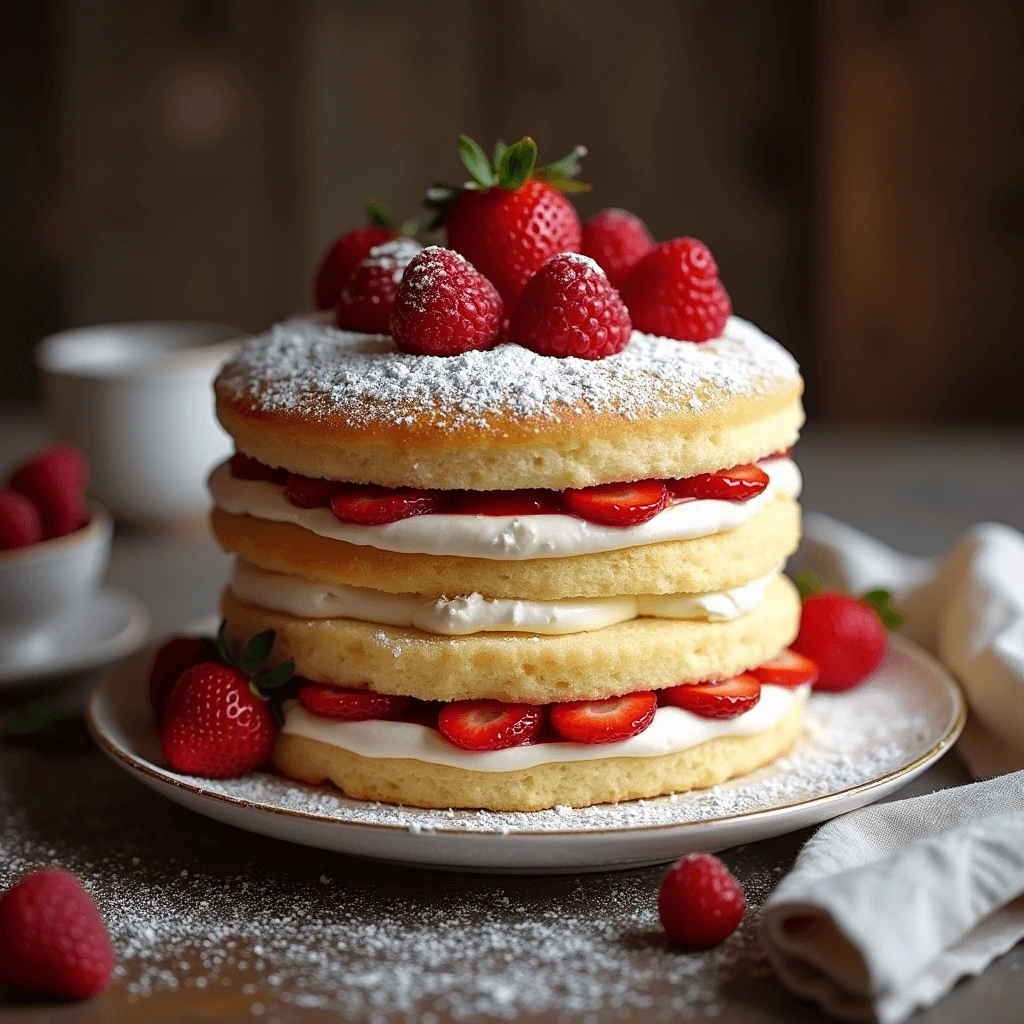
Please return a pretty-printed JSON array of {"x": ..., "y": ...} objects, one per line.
[
  {"x": 348, "y": 251},
  {"x": 604, "y": 721},
  {"x": 617, "y": 504},
  {"x": 445, "y": 306},
  {"x": 787, "y": 668},
  {"x": 53, "y": 941},
  {"x": 725, "y": 698},
  {"x": 368, "y": 296},
  {"x": 844, "y": 636},
  {"x": 674, "y": 292},
  {"x": 222, "y": 717},
  {"x": 346, "y": 705},
  {"x": 489, "y": 724},
  {"x": 617, "y": 240},
  {"x": 172, "y": 660},
  {"x": 370, "y": 505},
  {"x": 737, "y": 484},
  {"x": 54, "y": 481},
  {"x": 569, "y": 308},
  {"x": 511, "y": 216}
]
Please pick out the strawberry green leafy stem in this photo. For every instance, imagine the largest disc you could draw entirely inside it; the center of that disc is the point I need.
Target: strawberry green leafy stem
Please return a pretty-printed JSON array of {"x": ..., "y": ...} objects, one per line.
[
  {"x": 264, "y": 684},
  {"x": 510, "y": 169},
  {"x": 808, "y": 583}
]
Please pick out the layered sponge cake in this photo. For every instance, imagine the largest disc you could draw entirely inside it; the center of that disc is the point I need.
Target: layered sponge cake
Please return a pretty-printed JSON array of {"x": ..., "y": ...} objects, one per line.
[{"x": 512, "y": 580}]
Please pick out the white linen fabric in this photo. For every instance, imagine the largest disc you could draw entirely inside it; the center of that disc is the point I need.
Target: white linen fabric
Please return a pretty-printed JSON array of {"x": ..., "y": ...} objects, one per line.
[{"x": 887, "y": 907}]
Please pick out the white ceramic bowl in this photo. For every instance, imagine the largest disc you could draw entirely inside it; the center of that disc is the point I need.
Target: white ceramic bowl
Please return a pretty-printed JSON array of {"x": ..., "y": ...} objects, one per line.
[
  {"x": 40, "y": 584},
  {"x": 137, "y": 399}
]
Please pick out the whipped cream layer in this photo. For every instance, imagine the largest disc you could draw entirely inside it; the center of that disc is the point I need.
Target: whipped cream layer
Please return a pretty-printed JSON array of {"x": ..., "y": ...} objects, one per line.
[
  {"x": 672, "y": 730},
  {"x": 461, "y": 616},
  {"x": 504, "y": 538}
]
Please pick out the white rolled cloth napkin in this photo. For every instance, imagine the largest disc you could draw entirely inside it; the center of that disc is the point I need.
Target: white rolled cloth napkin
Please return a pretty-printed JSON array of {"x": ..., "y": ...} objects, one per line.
[{"x": 887, "y": 907}]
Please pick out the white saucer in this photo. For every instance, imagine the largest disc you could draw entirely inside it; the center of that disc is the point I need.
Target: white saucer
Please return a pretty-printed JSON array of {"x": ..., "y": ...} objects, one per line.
[
  {"x": 858, "y": 747},
  {"x": 109, "y": 625}
]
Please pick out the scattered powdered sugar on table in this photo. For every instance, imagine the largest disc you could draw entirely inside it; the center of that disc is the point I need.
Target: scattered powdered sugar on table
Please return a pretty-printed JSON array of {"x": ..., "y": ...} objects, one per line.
[
  {"x": 204, "y": 914},
  {"x": 311, "y": 369}
]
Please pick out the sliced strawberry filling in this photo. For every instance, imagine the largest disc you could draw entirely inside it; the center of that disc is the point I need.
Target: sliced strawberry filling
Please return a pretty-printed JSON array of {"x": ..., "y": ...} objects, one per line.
[
  {"x": 615, "y": 504},
  {"x": 495, "y": 725},
  {"x": 737, "y": 484},
  {"x": 350, "y": 705},
  {"x": 725, "y": 698},
  {"x": 604, "y": 721},
  {"x": 788, "y": 668},
  {"x": 489, "y": 724}
]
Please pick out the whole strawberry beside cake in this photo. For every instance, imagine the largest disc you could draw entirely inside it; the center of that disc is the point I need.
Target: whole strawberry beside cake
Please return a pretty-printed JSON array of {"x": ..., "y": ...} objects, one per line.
[{"x": 522, "y": 536}]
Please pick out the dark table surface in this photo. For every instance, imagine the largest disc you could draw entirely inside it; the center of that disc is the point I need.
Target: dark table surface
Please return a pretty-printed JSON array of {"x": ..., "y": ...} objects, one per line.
[{"x": 216, "y": 924}]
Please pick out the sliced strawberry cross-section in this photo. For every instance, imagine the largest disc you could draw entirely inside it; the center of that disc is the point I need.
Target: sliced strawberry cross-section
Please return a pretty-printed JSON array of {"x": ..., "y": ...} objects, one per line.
[
  {"x": 605, "y": 721},
  {"x": 787, "y": 668},
  {"x": 617, "y": 504},
  {"x": 737, "y": 484},
  {"x": 346, "y": 705},
  {"x": 489, "y": 724},
  {"x": 310, "y": 492},
  {"x": 377, "y": 506},
  {"x": 724, "y": 698}
]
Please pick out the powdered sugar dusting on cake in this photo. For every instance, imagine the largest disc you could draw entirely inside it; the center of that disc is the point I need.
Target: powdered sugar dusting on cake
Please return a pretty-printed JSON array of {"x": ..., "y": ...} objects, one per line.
[{"x": 317, "y": 371}]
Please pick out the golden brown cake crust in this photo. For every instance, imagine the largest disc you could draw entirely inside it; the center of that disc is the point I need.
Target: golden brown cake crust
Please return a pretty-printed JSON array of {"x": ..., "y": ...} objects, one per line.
[
  {"x": 698, "y": 565},
  {"x": 329, "y": 404},
  {"x": 646, "y": 653},
  {"x": 572, "y": 783}
]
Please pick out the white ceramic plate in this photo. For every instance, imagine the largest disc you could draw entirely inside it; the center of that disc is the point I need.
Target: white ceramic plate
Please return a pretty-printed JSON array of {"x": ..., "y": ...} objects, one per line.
[
  {"x": 107, "y": 626},
  {"x": 858, "y": 747}
]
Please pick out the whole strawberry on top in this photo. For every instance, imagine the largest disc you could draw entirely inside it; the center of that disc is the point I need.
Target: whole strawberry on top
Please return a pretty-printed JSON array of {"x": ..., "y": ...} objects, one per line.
[
  {"x": 348, "y": 251},
  {"x": 221, "y": 718},
  {"x": 512, "y": 215},
  {"x": 675, "y": 292}
]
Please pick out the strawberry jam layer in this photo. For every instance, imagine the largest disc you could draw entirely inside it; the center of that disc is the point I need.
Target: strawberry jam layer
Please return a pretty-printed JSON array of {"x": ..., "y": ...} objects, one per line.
[
  {"x": 487, "y": 725},
  {"x": 616, "y": 504},
  {"x": 514, "y": 737}
]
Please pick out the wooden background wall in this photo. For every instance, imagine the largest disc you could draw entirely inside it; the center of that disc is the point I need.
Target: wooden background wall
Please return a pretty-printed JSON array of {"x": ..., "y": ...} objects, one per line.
[{"x": 856, "y": 165}]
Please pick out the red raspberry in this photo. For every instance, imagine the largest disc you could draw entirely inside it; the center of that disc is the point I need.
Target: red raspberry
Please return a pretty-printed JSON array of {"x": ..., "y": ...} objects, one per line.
[
  {"x": 20, "y": 524},
  {"x": 844, "y": 637},
  {"x": 369, "y": 293},
  {"x": 55, "y": 481},
  {"x": 701, "y": 903},
  {"x": 53, "y": 941},
  {"x": 445, "y": 306},
  {"x": 344, "y": 255},
  {"x": 617, "y": 240},
  {"x": 569, "y": 308},
  {"x": 674, "y": 292}
]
